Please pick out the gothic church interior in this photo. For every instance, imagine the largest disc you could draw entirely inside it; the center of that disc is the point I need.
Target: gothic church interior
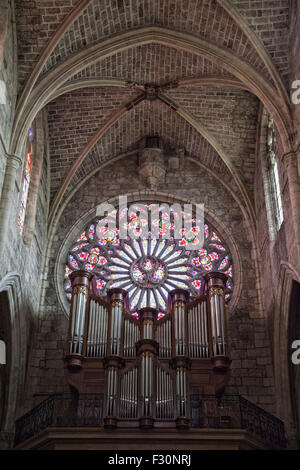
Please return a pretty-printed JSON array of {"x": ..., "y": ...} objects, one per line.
[{"x": 110, "y": 341}]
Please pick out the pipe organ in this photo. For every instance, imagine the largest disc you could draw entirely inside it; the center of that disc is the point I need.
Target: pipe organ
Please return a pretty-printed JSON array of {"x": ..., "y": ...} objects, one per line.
[
  {"x": 198, "y": 330},
  {"x": 147, "y": 368},
  {"x": 97, "y": 329}
]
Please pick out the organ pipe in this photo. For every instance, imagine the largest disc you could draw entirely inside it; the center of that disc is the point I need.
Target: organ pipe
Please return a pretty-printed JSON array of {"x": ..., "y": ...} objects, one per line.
[
  {"x": 180, "y": 361},
  {"x": 179, "y": 299},
  {"x": 147, "y": 349},
  {"x": 116, "y": 298},
  {"x": 78, "y": 316},
  {"x": 97, "y": 329},
  {"x": 216, "y": 286}
]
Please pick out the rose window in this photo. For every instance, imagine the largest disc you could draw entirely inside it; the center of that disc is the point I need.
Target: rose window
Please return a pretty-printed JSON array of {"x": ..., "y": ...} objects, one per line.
[{"x": 148, "y": 269}]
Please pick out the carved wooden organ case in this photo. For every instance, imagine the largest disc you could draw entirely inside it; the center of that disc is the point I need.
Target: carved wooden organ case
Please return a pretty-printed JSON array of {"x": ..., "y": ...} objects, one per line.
[{"x": 147, "y": 368}]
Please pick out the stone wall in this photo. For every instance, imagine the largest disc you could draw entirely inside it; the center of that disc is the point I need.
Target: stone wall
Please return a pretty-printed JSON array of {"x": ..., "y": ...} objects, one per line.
[{"x": 8, "y": 77}]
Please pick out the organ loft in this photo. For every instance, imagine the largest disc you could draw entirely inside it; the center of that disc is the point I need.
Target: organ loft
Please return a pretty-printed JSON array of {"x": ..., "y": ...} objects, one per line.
[{"x": 149, "y": 225}]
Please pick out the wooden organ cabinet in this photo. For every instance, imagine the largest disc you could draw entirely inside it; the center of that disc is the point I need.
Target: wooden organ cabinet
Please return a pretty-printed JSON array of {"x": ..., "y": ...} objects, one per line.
[{"x": 147, "y": 368}]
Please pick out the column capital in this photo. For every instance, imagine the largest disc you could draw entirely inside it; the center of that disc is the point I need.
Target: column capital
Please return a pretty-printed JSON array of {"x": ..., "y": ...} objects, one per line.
[
  {"x": 14, "y": 160},
  {"x": 147, "y": 345},
  {"x": 179, "y": 294},
  {"x": 290, "y": 157},
  {"x": 181, "y": 362},
  {"x": 116, "y": 294},
  {"x": 116, "y": 362},
  {"x": 81, "y": 278},
  {"x": 215, "y": 279},
  {"x": 147, "y": 313}
]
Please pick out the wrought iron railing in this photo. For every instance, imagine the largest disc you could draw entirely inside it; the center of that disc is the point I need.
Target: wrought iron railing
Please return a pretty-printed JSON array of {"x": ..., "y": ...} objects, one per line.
[
  {"x": 229, "y": 412},
  {"x": 65, "y": 410},
  {"x": 235, "y": 412}
]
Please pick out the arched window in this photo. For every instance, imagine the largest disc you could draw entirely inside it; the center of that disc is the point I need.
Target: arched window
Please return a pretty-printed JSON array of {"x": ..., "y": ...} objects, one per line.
[
  {"x": 26, "y": 180},
  {"x": 274, "y": 176},
  {"x": 2, "y": 353},
  {"x": 148, "y": 269}
]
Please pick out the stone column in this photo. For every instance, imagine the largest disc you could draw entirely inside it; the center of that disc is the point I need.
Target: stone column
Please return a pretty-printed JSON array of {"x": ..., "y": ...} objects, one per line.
[
  {"x": 8, "y": 203},
  {"x": 291, "y": 166}
]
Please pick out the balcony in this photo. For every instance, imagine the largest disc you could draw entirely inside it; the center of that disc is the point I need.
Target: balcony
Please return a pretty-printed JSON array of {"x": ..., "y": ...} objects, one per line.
[{"x": 77, "y": 421}]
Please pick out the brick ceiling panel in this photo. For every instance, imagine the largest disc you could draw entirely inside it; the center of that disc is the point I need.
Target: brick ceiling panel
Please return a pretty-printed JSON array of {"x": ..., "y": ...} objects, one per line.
[
  {"x": 151, "y": 118},
  {"x": 269, "y": 19},
  {"x": 231, "y": 116},
  {"x": 202, "y": 18},
  {"x": 74, "y": 118},
  {"x": 152, "y": 63},
  {"x": 37, "y": 21}
]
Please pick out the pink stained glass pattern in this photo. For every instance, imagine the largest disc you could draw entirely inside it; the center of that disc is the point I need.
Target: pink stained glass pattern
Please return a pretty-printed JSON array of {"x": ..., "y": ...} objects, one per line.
[
  {"x": 197, "y": 284},
  {"x": 92, "y": 232},
  {"x": 160, "y": 315},
  {"x": 82, "y": 237},
  {"x": 25, "y": 190},
  {"x": 89, "y": 267},
  {"x": 148, "y": 265},
  {"x": 68, "y": 271},
  {"x": 137, "y": 274},
  {"x": 218, "y": 247},
  {"x": 224, "y": 263},
  {"x": 100, "y": 284},
  {"x": 208, "y": 266},
  {"x": 73, "y": 262},
  {"x": 196, "y": 261},
  {"x": 83, "y": 256},
  {"x": 93, "y": 259},
  {"x": 95, "y": 251},
  {"x": 80, "y": 246},
  {"x": 159, "y": 274},
  {"x": 229, "y": 271},
  {"x": 214, "y": 256},
  {"x": 215, "y": 237}
]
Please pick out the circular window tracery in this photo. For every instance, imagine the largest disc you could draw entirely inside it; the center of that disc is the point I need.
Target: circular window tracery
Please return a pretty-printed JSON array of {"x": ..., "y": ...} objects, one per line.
[{"x": 147, "y": 268}]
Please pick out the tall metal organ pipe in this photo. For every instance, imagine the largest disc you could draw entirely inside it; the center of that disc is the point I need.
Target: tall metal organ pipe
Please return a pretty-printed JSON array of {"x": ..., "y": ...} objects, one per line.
[
  {"x": 78, "y": 314},
  {"x": 147, "y": 349},
  {"x": 116, "y": 300},
  {"x": 113, "y": 362},
  {"x": 180, "y": 360},
  {"x": 216, "y": 288}
]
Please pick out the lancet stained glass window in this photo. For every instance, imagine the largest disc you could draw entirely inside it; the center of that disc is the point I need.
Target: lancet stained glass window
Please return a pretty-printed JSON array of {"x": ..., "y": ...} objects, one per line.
[
  {"x": 25, "y": 182},
  {"x": 274, "y": 176},
  {"x": 147, "y": 268}
]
